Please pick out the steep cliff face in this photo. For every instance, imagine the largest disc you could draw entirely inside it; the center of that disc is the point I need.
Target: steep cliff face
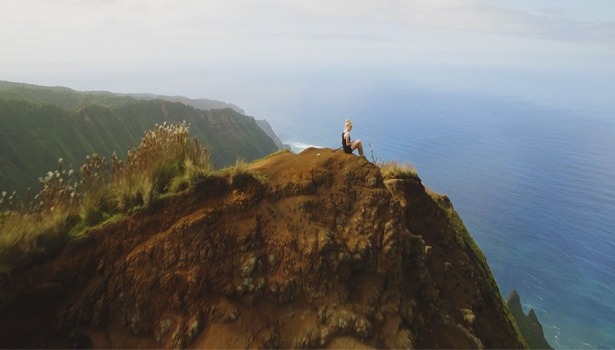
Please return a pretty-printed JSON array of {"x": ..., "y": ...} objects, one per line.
[
  {"x": 33, "y": 136},
  {"x": 318, "y": 250}
]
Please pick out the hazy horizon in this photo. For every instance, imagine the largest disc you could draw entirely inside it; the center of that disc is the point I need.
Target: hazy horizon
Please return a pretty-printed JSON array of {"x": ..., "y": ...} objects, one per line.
[{"x": 259, "y": 53}]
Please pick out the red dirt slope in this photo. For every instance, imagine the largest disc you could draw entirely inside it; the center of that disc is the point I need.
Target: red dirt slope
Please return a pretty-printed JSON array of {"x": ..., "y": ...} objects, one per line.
[{"x": 322, "y": 253}]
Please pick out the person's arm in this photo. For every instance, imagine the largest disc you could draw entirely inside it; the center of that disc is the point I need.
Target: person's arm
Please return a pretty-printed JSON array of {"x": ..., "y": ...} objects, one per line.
[{"x": 347, "y": 137}]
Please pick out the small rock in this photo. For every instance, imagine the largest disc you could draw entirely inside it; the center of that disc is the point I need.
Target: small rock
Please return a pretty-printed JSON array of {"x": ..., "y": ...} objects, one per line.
[
  {"x": 163, "y": 328},
  {"x": 468, "y": 316},
  {"x": 248, "y": 266},
  {"x": 272, "y": 260},
  {"x": 194, "y": 327}
]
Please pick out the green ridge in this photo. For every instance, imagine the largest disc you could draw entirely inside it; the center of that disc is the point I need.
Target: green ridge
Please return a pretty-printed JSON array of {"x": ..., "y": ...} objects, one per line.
[{"x": 39, "y": 125}]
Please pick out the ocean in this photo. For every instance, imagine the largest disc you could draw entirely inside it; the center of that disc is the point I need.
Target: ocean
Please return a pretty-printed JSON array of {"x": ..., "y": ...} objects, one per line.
[{"x": 534, "y": 184}]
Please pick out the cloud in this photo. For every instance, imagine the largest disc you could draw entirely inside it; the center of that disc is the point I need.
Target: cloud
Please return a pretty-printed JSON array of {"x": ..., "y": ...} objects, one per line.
[
  {"x": 126, "y": 33},
  {"x": 238, "y": 18},
  {"x": 554, "y": 11},
  {"x": 468, "y": 15}
]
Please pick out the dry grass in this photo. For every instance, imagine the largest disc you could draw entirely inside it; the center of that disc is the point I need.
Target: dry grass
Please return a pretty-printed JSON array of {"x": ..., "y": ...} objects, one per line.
[
  {"x": 25, "y": 236},
  {"x": 166, "y": 160},
  {"x": 394, "y": 170},
  {"x": 239, "y": 173}
]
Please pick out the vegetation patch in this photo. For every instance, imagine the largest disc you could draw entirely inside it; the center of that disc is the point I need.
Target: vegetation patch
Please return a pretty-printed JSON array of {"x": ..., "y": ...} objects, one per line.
[
  {"x": 395, "y": 170},
  {"x": 167, "y": 160},
  {"x": 240, "y": 174}
]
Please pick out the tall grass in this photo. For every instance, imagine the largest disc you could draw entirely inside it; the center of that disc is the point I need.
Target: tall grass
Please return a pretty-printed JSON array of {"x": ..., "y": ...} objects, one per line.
[{"x": 167, "y": 159}]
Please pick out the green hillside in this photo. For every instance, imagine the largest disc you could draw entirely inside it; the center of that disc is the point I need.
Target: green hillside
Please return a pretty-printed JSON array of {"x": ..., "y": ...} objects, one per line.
[
  {"x": 59, "y": 96},
  {"x": 38, "y": 125}
]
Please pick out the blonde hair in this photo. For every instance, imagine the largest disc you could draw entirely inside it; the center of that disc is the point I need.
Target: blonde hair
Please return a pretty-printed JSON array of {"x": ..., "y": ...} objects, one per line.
[{"x": 348, "y": 124}]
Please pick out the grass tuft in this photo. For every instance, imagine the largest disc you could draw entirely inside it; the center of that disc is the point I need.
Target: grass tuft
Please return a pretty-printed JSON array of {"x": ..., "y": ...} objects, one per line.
[
  {"x": 240, "y": 174},
  {"x": 394, "y": 170}
]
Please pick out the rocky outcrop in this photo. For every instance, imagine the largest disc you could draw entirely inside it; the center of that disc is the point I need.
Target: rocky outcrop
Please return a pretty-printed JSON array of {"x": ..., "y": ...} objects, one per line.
[
  {"x": 529, "y": 325},
  {"x": 309, "y": 250}
]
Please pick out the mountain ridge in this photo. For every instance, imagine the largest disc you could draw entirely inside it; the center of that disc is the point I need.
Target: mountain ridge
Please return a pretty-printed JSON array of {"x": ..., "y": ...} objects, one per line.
[
  {"x": 40, "y": 124},
  {"x": 201, "y": 103},
  {"x": 316, "y": 249},
  {"x": 72, "y": 99}
]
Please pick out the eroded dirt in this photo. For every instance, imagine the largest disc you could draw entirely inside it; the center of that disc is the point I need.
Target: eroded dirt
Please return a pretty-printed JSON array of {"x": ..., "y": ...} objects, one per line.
[{"x": 323, "y": 253}]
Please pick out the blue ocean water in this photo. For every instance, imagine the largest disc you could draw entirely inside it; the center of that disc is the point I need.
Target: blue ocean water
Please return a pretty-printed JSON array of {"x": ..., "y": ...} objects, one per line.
[{"x": 534, "y": 185}]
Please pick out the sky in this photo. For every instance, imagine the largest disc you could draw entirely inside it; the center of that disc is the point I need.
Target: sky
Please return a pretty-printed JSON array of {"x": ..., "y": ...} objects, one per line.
[
  {"x": 268, "y": 56},
  {"x": 244, "y": 51}
]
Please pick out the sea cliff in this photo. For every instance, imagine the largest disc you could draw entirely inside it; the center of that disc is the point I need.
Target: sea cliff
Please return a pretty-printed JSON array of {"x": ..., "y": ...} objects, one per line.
[{"x": 317, "y": 249}]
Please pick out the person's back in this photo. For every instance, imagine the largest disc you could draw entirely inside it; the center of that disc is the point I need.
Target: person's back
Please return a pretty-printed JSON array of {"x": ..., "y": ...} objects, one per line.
[{"x": 345, "y": 146}]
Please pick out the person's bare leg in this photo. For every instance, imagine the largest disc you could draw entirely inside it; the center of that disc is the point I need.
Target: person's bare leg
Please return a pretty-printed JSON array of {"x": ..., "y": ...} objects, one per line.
[{"x": 358, "y": 145}]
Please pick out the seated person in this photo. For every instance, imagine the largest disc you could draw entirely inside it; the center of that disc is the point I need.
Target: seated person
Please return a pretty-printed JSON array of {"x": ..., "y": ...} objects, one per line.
[{"x": 347, "y": 144}]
